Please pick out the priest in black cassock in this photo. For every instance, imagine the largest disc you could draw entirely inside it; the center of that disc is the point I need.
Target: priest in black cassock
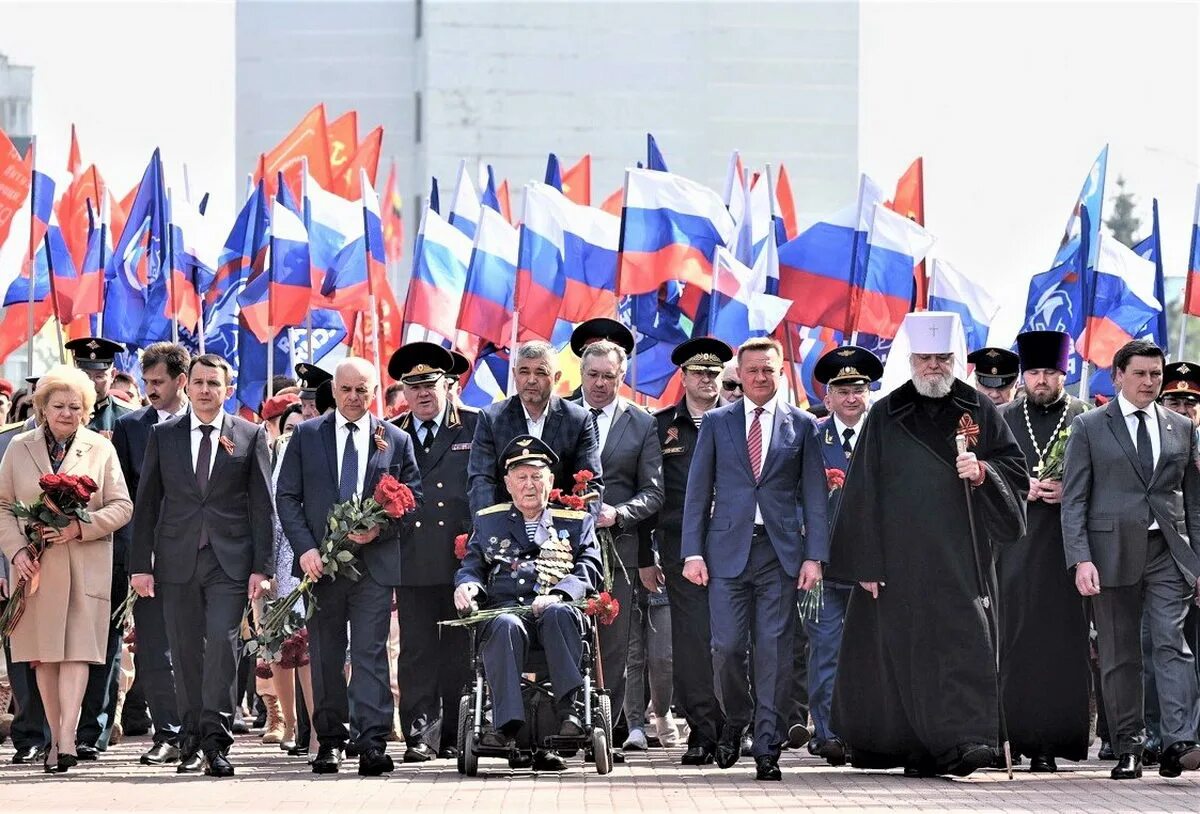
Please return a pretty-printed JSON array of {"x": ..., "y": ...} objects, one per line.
[
  {"x": 1044, "y": 671},
  {"x": 917, "y": 682}
]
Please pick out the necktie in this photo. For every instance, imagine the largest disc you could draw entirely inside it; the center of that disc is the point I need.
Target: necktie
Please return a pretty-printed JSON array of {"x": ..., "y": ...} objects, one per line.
[
  {"x": 596, "y": 411},
  {"x": 429, "y": 427},
  {"x": 1144, "y": 451},
  {"x": 847, "y": 434},
  {"x": 348, "y": 482},
  {"x": 203, "y": 463},
  {"x": 754, "y": 443}
]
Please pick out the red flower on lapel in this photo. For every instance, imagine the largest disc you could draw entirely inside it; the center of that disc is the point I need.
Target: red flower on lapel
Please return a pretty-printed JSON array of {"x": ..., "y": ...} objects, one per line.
[
  {"x": 968, "y": 429},
  {"x": 227, "y": 443},
  {"x": 381, "y": 442}
]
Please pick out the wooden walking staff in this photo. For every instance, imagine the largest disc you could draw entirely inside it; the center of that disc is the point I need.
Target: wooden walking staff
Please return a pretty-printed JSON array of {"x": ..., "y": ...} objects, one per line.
[{"x": 989, "y": 606}]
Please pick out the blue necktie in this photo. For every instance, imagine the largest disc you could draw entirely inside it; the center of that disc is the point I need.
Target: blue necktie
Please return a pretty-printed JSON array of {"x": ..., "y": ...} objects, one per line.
[{"x": 348, "y": 483}]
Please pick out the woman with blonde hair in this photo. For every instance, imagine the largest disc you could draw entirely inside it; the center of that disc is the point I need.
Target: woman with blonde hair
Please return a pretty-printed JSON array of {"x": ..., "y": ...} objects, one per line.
[{"x": 64, "y": 628}]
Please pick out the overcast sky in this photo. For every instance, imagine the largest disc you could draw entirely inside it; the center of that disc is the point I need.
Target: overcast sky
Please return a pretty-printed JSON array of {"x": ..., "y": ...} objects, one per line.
[{"x": 1009, "y": 103}]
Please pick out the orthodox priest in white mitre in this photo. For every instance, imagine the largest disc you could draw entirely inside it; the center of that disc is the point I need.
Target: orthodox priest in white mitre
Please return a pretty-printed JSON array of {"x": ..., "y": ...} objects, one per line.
[{"x": 917, "y": 682}]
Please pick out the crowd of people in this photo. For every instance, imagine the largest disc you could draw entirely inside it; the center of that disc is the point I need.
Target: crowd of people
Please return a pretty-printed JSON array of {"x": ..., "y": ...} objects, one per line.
[{"x": 947, "y": 578}]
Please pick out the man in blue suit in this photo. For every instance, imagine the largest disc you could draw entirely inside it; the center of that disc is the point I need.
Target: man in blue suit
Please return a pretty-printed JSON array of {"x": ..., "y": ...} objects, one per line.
[
  {"x": 330, "y": 460},
  {"x": 847, "y": 374},
  {"x": 164, "y": 371},
  {"x": 565, "y": 427},
  {"x": 758, "y": 468}
]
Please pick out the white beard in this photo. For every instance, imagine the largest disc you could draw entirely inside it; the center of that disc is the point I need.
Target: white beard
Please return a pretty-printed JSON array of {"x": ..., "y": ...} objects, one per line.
[{"x": 934, "y": 388}]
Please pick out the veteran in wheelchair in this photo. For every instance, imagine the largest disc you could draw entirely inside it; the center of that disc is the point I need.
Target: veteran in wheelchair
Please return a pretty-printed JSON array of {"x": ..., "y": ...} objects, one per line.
[{"x": 536, "y": 560}]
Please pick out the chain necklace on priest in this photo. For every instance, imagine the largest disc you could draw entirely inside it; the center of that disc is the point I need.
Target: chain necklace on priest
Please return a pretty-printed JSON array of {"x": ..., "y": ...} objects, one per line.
[{"x": 1037, "y": 448}]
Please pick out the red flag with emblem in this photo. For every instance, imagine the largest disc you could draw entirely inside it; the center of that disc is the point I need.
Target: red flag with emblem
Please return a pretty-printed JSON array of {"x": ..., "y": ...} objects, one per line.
[
  {"x": 910, "y": 202},
  {"x": 308, "y": 139}
]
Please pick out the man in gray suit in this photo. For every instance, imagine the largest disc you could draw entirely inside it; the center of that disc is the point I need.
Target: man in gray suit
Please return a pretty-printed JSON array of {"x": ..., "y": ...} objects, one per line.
[
  {"x": 631, "y": 458},
  {"x": 1130, "y": 518}
]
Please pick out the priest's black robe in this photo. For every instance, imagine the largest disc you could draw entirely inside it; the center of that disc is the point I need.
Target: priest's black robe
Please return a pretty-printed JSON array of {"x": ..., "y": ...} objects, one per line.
[
  {"x": 917, "y": 674},
  {"x": 1044, "y": 671}
]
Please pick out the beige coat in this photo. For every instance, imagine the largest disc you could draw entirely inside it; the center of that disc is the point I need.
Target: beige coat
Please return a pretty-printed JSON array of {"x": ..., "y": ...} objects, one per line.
[{"x": 68, "y": 618}]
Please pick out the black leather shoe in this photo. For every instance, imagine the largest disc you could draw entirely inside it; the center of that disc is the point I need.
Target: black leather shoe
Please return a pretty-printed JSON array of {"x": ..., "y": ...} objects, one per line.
[
  {"x": 521, "y": 761},
  {"x": 1180, "y": 757},
  {"x": 419, "y": 753},
  {"x": 729, "y": 747},
  {"x": 448, "y": 753},
  {"x": 30, "y": 754},
  {"x": 697, "y": 756},
  {"x": 327, "y": 761},
  {"x": 190, "y": 764},
  {"x": 1129, "y": 767},
  {"x": 798, "y": 735},
  {"x": 1106, "y": 751},
  {"x": 547, "y": 760},
  {"x": 66, "y": 761},
  {"x": 374, "y": 762},
  {"x": 834, "y": 751},
  {"x": 1042, "y": 763},
  {"x": 971, "y": 756},
  {"x": 570, "y": 726},
  {"x": 217, "y": 765},
  {"x": 298, "y": 750},
  {"x": 766, "y": 767},
  {"x": 160, "y": 754},
  {"x": 86, "y": 752}
]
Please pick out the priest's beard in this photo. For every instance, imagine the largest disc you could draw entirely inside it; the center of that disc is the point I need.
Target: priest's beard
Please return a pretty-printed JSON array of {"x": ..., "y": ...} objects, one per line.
[
  {"x": 1045, "y": 399},
  {"x": 933, "y": 387}
]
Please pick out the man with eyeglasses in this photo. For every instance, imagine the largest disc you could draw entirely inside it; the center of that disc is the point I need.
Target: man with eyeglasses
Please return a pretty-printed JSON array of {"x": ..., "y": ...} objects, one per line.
[
  {"x": 700, "y": 361},
  {"x": 916, "y": 684},
  {"x": 731, "y": 385}
]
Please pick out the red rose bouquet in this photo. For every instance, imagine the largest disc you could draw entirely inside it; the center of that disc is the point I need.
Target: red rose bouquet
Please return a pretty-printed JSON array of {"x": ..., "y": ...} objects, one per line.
[
  {"x": 390, "y": 500},
  {"x": 63, "y": 500}
]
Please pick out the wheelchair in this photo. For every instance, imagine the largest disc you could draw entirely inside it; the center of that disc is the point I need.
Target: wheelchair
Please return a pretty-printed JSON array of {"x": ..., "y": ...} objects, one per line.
[{"x": 541, "y": 719}]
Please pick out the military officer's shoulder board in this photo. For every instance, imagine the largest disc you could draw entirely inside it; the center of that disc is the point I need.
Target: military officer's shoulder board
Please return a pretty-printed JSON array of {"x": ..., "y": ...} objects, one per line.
[
  {"x": 568, "y": 514},
  {"x": 499, "y": 507}
]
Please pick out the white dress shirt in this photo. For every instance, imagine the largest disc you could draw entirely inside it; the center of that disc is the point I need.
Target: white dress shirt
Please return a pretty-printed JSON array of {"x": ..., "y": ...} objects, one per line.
[
  {"x": 1131, "y": 423},
  {"x": 535, "y": 427},
  {"x": 420, "y": 423},
  {"x": 766, "y": 421},
  {"x": 841, "y": 428},
  {"x": 163, "y": 415},
  {"x": 213, "y": 437},
  {"x": 604, "y": 420},
  {"x": 362, "y": 437}
]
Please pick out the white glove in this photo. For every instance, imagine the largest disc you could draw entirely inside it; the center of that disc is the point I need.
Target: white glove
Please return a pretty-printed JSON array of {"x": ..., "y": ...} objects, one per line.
[
  {"x": 464, "y": 597},
  {"x": 542, "y": 602}
]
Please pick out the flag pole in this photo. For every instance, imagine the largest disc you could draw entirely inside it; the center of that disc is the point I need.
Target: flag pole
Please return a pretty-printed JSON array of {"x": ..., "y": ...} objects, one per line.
[
  {"x": 32, "y": 249},
  {"x": 854, "y": 297},
  {"x": 171, "y": 274},
  {"x": 1187, "y": 289},
  {"x": 104, "y": 208},
  {"x": 62, "y": 350},
  {"x": 306, "y": 216},
  {"x": 516, "y": 315},
  {"x": 270, "y": 272},
  {"x": 372, "y": 300}
]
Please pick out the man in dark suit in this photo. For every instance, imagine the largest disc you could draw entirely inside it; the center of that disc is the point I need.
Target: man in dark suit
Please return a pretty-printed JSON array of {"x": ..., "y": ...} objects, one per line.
[
  {"x": 164, "y": 371},
  {"x": 328, "y": 461},
  {"x": 758, "y": 468},
  {"x": 565, "y": 427},
  {"x": 631, "y": 459},
  {"x": 433, "y": 665},
  {"x": 701, "y": 361},
  {"x": 202, "y": 532},
  {"x": 1131, "y": 521},
  {"x": 847, "y": 373},
  {"x": 94, "y": 356}
]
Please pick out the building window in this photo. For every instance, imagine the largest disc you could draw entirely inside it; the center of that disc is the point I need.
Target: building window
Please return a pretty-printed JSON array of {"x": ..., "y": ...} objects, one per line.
[{"x": 417, "y": 116}]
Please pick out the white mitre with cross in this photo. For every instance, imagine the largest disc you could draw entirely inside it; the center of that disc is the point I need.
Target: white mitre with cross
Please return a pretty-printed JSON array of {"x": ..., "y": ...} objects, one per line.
[{"x": 924, "y": 332}]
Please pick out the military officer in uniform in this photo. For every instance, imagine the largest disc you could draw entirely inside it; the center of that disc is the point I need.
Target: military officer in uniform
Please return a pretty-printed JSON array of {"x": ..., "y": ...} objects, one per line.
[
  {"x": 595, "y": 330},
  {"x": 847, "y": 374},
  {"x": 701, "y": 361},
  {"x": 94, "y": 356},
  {"x": 1181, "y": 388},
  {"x": 525, "y": 554},
  {"x": 433, "y": 664},
  {"x": 995, "y": 373},
  {"x": 310, "y": 378}
]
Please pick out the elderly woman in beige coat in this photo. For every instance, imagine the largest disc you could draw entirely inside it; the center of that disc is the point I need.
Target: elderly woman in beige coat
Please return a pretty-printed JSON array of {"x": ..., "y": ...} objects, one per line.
[{"x": 65, "y": 624}]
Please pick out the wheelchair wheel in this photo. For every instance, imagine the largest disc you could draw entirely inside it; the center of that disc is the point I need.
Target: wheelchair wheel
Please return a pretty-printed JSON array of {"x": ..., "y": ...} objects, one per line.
[
  {"x": 468, "y": 761},
  {"x": 602, "y": 736}
]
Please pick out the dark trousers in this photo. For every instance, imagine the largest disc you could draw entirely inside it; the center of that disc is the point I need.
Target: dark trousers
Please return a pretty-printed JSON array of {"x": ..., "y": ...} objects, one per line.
[
  {"x": 433, "y": 665},
  {"x": 1164, "y": 596},
  {"x": 691, "y": 635},
  {"x": 614, "y": 638},
  {"x": 762, "y": 601},
  {"x": 505, "y": 648},
  {"x": 797, "y": 711},
  {"x": 99, "y": 709},
  {"x": 824, "y": 643},
  {"x": 366, "y": 607},
  {"x": 152, "y": 661},
  {"x": 204, "y": 620},
  {"x": 29, "y": 727}
]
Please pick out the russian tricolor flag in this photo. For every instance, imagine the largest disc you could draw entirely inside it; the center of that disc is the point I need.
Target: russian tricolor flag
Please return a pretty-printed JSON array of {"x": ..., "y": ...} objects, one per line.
[
  {"x": 441, "y": 256},
  {"x": 1191, "y": 297},
  {"x": 670, "y": 227},
  {"x": 465, "y": 207},
  {"x": 489, "y": 379},
  {"x": 279, "y": 297},
  {"x": 1122, "y": 303},
  {"x": 490, "y": 288},
  {"x": 895, "y": 245},
  {"x": 740, "y": 310},
  {"x": 951, "y": 290}
]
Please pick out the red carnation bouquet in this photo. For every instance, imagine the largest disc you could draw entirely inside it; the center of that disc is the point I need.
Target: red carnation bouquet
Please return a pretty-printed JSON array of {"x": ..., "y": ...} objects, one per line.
[
  {"x": 834, "y": 479},
  {"x": 390, "y": 501},
  {"x": 63, "y": 500},
  {"x": 604, "y": 607},
  {"x": 460, "y": 546}
]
